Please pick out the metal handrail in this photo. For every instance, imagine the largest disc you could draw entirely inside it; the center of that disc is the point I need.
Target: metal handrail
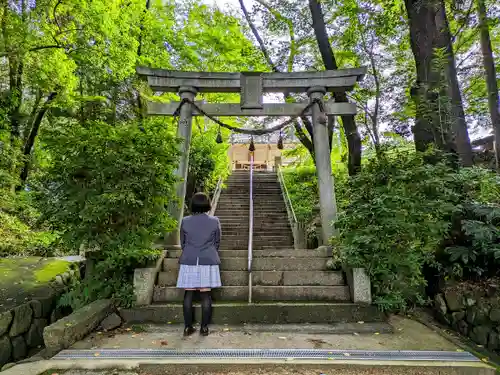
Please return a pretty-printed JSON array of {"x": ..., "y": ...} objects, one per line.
[
  {"x": 291, "y": 213},
  {"x": 216, "y": 196},
  {"x": 250, "y": 233}
]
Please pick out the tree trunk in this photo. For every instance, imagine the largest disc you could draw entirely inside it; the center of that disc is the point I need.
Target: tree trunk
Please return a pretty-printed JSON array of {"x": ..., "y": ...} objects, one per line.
[
  {"x": 460, "y": 134},
  {"x": 422, "y": 22},
  {"x": 491, "y": 81},
  {"x": 37, "y": 121},
  {"x": 348, "y": 122}
]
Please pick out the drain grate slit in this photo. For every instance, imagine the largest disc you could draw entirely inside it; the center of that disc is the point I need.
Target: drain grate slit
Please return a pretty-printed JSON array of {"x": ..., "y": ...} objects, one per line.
[{"x": 310, "y": 354}]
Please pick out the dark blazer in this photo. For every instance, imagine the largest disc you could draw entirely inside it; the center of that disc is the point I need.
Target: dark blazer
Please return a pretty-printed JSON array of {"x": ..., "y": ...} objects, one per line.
[{"x": 200, "y": 240}]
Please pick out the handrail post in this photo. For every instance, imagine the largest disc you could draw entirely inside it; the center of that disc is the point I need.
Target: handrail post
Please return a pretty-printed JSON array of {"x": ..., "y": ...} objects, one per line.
[{"x": 250, "y": 232}]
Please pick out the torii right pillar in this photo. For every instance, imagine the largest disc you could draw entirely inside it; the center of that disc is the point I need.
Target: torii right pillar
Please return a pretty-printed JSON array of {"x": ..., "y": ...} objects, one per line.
[{"x": 327, "y": 202}]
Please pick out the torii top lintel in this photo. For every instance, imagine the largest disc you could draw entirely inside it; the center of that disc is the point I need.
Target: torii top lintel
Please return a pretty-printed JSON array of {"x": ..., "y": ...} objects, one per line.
[{"x": 161, "y": 80}]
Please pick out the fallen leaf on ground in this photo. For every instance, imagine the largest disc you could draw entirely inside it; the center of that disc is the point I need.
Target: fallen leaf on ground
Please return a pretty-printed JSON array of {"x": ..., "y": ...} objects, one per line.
[{"x": 164, "y": 343}]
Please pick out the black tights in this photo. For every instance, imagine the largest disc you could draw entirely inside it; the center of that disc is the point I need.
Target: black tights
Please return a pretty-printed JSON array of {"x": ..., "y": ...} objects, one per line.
[{"x": 206, "y": 308}]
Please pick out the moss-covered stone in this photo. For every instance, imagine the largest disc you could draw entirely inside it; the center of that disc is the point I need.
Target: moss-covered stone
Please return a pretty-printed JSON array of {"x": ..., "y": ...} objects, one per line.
[
  {"x": 22, "y": 279},
  {"x": 19, "y": 348},
  {"x": 5, "y": 350},
  {"x": 22, "y": 320},
  {"x": 5, "y": 320}
]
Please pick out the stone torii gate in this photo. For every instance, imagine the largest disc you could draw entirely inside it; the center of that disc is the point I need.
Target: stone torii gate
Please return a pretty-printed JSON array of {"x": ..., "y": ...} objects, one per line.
[{"x": 252, "y": 86}]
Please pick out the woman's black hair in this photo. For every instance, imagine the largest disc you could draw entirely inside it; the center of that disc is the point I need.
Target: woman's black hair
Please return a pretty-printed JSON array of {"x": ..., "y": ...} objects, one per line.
[{"x": 200, "y": 203}]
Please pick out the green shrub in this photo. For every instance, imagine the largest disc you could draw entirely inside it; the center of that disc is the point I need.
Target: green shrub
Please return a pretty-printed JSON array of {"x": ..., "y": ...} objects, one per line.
[
  {"x": 208, "y": 161},
  {"x": 396, "y": 217},
  {"x": 106, "y": 188},
  {"x": 472, "y": 249}
]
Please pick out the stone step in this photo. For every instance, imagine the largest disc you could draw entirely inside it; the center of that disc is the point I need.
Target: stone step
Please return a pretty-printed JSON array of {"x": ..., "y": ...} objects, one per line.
[
  {"x": 261, "y": 264},
  {"x": 260, "y": 237},
  {"x": 287, "y": 253},
  {"x": 335, "y": 293},
  {"x": 243, "y": 240},
  {"x": 268, "y": 278},
  {"x": 260, "y": 313}
]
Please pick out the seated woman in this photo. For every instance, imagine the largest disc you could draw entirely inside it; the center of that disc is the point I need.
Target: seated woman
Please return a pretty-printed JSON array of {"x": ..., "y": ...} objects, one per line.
[{"x": 199, "y": 262}]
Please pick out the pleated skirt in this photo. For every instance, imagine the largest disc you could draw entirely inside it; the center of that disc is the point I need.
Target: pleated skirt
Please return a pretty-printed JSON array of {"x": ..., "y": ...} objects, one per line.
[{"x": 198, "y": 277}]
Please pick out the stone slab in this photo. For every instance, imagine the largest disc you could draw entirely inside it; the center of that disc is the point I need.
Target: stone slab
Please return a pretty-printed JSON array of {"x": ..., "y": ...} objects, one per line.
[
  {"x": 63, "y": 333},
  {"x": 332, "y": 80},
  {"x": 262, "y": 293},
  {"x": 144, "y": 281},
  {"x": 359, "y": 284},
  {"x": 23, "y": 315},
  {"x": 261, "y": 264},
  {"x": 261, "y": 313},
  {"x": 5, "y": 320},
  {"x": 267, "y": 278},
  {"x": 277, "y": 253},
  {"x": 5, "y": 350},
  {"x": 234, "y": 109}
]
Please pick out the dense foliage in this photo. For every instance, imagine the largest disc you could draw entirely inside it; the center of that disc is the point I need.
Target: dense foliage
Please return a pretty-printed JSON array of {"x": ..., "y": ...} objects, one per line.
[{"x": 81, "y": 168}]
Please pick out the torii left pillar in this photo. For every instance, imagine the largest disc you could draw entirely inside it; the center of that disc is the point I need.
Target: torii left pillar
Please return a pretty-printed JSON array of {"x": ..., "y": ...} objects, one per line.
[{"x": 184, "y": 131}]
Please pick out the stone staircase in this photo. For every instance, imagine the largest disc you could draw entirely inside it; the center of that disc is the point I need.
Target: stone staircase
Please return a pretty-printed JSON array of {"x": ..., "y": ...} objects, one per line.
[
  {"x": 289, "y": 286},
  {"x": 279, "y": 272}
]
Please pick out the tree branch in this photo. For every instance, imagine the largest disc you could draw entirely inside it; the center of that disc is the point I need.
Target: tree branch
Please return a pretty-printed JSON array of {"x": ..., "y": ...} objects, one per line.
[
  {"x": 255, "y": 33},
  {"x": 289, "y": 23}
]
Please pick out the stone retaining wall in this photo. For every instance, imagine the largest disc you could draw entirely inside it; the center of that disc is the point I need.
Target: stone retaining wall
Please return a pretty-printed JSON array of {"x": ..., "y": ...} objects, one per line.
[
  {"x": 21, "y": 328},
  {"x": 473, "y": 311}
]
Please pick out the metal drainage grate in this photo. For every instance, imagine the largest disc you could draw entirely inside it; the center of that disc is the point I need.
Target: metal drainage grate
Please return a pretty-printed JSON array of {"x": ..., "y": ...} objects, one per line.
[{"x": 319, "y": 354}]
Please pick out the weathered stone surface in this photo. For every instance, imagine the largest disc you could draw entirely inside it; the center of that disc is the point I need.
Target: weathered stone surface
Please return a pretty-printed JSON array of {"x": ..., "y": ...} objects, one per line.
[
  {"x": 47, "y": 303},
  {"x": 5, "y": 350},
  {"x": 457, "y": 316},
  {"x": 493, "y": 340},
  {"x": 359, "y": 285},
  {"x": 480, "y": 334},
  {"x": 59, "y": 280},
  {"x": 477, "y": 315},
  {"x": 19, "y": 348},
  {"x": 440, "y": 304},
  {"x": 8, "y": 366},
  {"x": 495, "y": 314},
  {"x": 34, "y": 336},
  {"x": 68, "y": 330},
  {"x": 37, "y": 308},
  {"x": 5, "y": 320},
  {"x": 454, "y": 300},
  {"x": 111, "y": 322},
  {"x": 463, "y": 327},
  {"x": 22, "y": 320}
]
